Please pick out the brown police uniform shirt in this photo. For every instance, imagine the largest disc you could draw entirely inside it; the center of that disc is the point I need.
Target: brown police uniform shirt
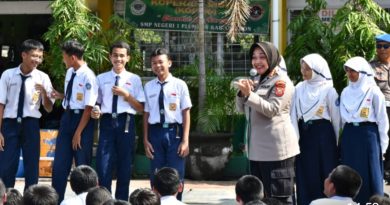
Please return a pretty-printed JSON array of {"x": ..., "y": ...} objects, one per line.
[
  {"x": 382, "y": 77},
  {"x": 272, "y": 134}
]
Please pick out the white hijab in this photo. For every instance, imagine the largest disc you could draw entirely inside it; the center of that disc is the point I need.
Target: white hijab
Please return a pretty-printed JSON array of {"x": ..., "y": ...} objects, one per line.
[
  {"x": 355, "y": 92},
  {"x": 313, "y": 91}
]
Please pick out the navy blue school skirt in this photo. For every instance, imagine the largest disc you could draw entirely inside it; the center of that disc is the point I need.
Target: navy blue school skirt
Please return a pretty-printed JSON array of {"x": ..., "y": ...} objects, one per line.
[
  {"x": 360, "y": 149},
  {"x": 317, "y": 159}
]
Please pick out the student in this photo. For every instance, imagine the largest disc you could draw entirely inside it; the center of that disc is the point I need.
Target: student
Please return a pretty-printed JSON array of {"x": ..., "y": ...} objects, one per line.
[
  {"x": 82, "y": 179},
  {"x": 166, "y": 117},
  {"x": 316, "y": 117},
  {"x": 121, "y": 96},
  {"x": 379, "y": 200},
  {"x": 272, "y": 141},
  {"x": 248, "y": 188},
  {"x": 75, "y": 136},
  {"x": 3, "y": 193},
  {"x": 23, "y": 89},
  {"x": 381, "y": 66},
  {"x": 341, "y": 187},
  {"x": 364, "y": 137},
  {"x": 98, "y": 195},
  {"x": 167, "y": 185},
  {"x": 116, "y": 202},
  {"x": 144, "y": 197},
  {"x": 40, "y": 194},
  {"x": 14, "y": 197}
]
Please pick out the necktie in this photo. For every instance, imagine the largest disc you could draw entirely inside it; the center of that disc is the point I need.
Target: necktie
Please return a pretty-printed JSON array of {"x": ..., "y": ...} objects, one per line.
[
  {"x": 161, "y": 103},
  {"x": 115, "y": 98},
  {"x": 69, "y": 88},
  {"x": 21, "y": 98}
]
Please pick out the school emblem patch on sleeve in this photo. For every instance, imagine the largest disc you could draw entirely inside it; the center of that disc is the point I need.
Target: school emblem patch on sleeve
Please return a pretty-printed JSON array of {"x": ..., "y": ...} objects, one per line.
[
  {"x": 88, "y": 86},
  {"x": 280, "y": 86}
]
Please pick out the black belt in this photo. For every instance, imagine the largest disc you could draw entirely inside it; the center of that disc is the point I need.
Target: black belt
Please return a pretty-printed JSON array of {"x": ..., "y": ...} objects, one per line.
[
  {"x": 75, "y": 111},
  {"x": 165, "y": 125},
  {"x": 117, "y": 115},
  {"x": 360, "y": 124},
  {"x": 314, "y": 122}
]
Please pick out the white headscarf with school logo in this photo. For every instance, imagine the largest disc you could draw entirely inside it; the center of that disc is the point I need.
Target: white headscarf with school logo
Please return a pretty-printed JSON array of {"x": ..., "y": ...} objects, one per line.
[
  {"x": 313, "y": 91},
  {"x": 353, "y": 95}
]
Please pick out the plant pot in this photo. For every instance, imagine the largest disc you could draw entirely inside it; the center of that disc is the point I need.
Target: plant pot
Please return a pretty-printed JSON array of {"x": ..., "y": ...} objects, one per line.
[
  {"x": 141, "y": 167},
  {"x": 237, "y": 166},
  {"x": 208, "y": 156}
]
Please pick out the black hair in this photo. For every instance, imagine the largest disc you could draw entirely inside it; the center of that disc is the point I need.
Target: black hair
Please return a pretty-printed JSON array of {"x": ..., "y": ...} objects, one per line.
[
  {"x": 2, "y": 190},
  {"x": 73, "y": 47},
  {"x": 271, "y": 201},
  {"x": 249, "y": 188},
  {"x": 120, "y": 44},
  {"x": 14, "y": 197},
  {"x": 116, "y": 202},
  {"x": 83, "y": 178},
  {"x": 31, "y": 44},
  {"x": 380, "y": 200},
  {"x": 166, "y": 181},
  {"x": 97, "y": 196},
  {"x": 160, "y": 51},
  {"x": 346, "y": 180},
  {"x": 256, "y": 202},
  {"x": 144, "y": 197},
  {"x": 40, "y": 194}
]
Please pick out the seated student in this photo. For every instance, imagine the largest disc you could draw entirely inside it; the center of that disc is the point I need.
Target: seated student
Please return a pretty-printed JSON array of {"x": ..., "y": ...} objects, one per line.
[
  {"x": 97, "y": 196},
  {"x": 256, "y": 202},
  {"x": 167, "y": 184},
  {"x": 341, "y": 187},
  {"x": 14, "y": 197},
  {"x": 379, "y": 200},
  {"x": 248, "y": 188},
  {"x": 144, "y": 197},
  {"x": 116, "y": 202},
  {"x": 40, "y": 194},
  {"x": 270, "y": 201},
  {"x": 3, "y": 195},
  {"x": 82, "y": 179}
]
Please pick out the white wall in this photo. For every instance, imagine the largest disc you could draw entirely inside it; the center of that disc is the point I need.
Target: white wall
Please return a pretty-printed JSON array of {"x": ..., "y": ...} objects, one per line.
[
  {"x": 24, "y": 7},
  {"x": 299, "y": 4}
]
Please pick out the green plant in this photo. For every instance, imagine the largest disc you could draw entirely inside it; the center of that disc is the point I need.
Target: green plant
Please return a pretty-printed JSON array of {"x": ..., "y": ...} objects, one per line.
[{"x": 350, "y": 33}]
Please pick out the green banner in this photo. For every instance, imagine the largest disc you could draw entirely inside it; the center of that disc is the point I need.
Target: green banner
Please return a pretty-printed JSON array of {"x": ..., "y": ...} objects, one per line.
[{"x": 182, "y": 15}]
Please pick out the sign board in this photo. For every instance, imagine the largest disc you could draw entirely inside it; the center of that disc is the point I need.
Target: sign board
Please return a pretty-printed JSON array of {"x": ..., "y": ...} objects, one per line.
[{"x": 182, "y": 15}]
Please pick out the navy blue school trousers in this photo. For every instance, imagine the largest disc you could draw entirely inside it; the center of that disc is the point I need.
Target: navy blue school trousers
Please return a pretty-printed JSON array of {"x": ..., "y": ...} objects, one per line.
[
  {"x": 64, "y": 153},
  {"x": 115, "y": 151},
  {"x": 18, "y": 136},
  {"x": 165, "y": 142},
  {"x": 360, "y": 149},
  {"x": 318, "y": 157}
]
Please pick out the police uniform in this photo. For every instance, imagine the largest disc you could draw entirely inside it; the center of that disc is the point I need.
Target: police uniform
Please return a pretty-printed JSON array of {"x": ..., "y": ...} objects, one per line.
[
  {"x": 272, "y": 143},
  {"x": 364, "y": 136},
  {"x": 84, "y": 93},
  {"x": 24, "y": 135},
  {"x": 117, "y": 131},
  {"x": 315, "y": 115},
  {"x": 166, "y": 138}
]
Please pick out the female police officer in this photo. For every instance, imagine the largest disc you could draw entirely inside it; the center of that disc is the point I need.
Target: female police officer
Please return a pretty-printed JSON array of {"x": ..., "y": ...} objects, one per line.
[{"x": 272, "y": 142}]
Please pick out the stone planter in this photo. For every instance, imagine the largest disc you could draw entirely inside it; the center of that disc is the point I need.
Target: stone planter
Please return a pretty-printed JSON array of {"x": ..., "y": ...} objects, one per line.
[{"x": 208, "y": 156}]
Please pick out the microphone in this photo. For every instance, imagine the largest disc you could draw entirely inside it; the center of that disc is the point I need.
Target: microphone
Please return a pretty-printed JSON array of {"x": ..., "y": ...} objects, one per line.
[{"x": 253, "y": 73}]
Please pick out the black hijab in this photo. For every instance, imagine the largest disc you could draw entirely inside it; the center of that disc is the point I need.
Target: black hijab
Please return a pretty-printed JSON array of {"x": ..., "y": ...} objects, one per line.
[{"x": 272, "y": 54}]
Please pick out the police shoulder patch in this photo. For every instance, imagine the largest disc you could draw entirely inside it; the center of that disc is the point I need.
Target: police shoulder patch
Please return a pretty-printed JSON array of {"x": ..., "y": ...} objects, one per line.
[
  {"x": 280, "y": 87},
  {"x": 88, "y": 86}
]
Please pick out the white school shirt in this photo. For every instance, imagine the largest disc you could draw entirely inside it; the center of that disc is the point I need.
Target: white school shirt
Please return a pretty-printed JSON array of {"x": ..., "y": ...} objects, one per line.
[
  {"x": 372, "y": 109},
  {"x": 77, "y": 200},
  {"x": 328, "y": 109},
  {"x": 176, "y": 99},
  {"x": 85, "y": 89},
  {"x": 10, "y": 84},
  {"x": 170, "y": 200},
  {"x": 129, "y": 81}
]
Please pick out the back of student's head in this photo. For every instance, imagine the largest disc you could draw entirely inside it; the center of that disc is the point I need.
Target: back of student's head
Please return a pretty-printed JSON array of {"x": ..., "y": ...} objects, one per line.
[
  {"x": 14, "y": 197},
  {"x": 160, "y": 51},
  {"x": 144, "y": 197},
  {"x": 346, "y": 180},
  {"x": 166, "y": 181},
  {"x": 73, "y": 47},
  {"x": 256, "y": 202},
  {"x": 2, "y": 192},
  {"x": 97, "y": 196},
  {"x": 120, "y": 44},
  {"x": 83, "y": 178},
  {"x": 271, "y": 201},
  {"x": 40, "y": 194},
  {"x": 116, "y": 202},
  {"x": 31, "y": 44},
  {"x": 249, "y": 188},
  {"x": 379, "y": 200}
]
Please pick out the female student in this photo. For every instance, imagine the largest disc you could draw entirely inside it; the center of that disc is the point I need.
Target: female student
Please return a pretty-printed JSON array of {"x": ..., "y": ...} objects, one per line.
[
  {"x": 364, "y": 137},
  {"x": 316, "y": 118}
]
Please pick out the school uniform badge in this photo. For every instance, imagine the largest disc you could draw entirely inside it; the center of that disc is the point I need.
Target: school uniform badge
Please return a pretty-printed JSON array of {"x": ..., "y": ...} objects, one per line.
[
  {"x": 88, "y": 86},
  {"x": 280, "y": 86}
]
